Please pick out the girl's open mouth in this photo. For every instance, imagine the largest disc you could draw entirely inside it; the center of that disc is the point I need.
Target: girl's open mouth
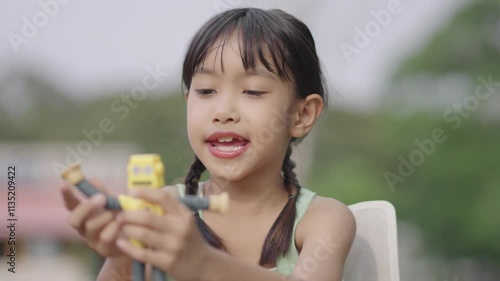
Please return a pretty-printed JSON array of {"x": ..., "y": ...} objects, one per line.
[{"x": 227, "y": 146}]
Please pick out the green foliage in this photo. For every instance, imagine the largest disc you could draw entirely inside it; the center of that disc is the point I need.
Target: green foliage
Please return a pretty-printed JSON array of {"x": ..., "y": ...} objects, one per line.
[
  {"x": 157, "y": 124},
  {"x": 469, "y": 44},
  {"x": 453, "y": 195}
]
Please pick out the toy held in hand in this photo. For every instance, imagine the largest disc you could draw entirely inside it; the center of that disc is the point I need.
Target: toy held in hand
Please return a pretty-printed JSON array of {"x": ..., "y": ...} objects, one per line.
[
  {"x": 144, "y": 171},
  {"x": 74, "y": 176}
]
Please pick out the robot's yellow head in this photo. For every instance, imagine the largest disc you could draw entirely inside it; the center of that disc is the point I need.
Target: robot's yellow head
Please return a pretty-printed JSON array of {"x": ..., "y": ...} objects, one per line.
[{"x": 145, "y": 171}]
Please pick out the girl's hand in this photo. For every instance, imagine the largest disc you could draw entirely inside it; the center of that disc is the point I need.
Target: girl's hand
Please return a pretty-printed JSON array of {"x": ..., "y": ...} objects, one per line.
[
  {"x": 174, "y": 243},
  {"x": 95, "y": 224}
]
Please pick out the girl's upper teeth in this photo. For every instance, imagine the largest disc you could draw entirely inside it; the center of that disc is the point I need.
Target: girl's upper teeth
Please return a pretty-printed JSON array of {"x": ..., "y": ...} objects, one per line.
[{"x": 226, "y": 139}]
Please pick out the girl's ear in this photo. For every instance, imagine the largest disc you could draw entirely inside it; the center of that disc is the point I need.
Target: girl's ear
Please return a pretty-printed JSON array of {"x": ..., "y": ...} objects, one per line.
[
  {"x": 306, "y": 114},
  {"x": 186, "y": 94}
]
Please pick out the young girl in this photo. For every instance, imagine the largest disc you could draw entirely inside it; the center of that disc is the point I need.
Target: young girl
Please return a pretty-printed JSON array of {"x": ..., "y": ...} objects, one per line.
[{"x": 253, "y": 88}]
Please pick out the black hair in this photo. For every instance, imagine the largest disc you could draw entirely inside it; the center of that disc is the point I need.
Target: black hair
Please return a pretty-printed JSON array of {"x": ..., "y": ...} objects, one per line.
[{"x": 284, "y": 46}]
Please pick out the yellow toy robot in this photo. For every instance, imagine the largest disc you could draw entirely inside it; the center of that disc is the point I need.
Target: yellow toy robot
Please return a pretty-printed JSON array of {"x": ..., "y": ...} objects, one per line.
[{"x": 143, "y": 171}]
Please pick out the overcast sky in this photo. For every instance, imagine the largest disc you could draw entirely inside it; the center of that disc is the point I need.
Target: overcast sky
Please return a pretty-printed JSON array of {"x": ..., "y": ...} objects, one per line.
[{"x": 84, "y": 45}]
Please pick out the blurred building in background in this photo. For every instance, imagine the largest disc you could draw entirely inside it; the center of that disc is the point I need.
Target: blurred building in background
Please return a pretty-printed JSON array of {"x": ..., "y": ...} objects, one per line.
[{"x": 46, "y": 245}]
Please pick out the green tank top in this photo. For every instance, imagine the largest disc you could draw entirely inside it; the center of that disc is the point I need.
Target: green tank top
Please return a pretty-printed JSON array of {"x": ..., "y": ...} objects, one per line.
[{"x": 284, "y": 264}]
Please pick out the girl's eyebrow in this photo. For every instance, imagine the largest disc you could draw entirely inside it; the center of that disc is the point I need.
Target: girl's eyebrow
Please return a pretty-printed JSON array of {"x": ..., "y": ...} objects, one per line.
[
  {"x": 260, "y": 72},
  {"x": 250, "y": 72},
  {"x": 205, "y": 71}
]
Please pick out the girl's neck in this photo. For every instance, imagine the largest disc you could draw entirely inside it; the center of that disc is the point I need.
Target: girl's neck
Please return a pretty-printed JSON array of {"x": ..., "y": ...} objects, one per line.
[{"x": 251, "y": 195}]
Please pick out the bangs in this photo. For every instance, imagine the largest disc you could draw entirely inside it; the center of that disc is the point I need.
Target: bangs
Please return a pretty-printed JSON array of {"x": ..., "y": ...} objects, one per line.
[{"x": 261, "y": 36}]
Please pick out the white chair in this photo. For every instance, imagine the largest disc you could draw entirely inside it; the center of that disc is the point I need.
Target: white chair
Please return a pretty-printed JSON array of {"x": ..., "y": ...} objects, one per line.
[{"x": 374, "y": 253}]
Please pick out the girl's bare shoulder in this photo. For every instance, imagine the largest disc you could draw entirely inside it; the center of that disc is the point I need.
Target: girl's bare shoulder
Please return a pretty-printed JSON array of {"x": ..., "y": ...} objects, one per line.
[
  {"x": 326, "y": 216},
  {"x": 327, "y": 207}
]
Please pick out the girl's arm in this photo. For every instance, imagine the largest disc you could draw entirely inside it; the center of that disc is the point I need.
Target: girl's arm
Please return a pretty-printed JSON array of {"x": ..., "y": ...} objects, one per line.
[{"x": 329, "y": 229}]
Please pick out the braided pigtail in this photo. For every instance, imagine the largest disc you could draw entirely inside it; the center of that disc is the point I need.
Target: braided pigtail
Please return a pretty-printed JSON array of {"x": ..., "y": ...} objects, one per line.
[
  {"x": 193, "y": 176},
  {"x": 279, "y": 237},
  {"x": 191, "y": 183}
]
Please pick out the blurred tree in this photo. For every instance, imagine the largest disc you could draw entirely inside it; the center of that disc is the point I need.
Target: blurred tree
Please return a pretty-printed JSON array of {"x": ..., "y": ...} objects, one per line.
[
  {"x": 26, "y": 98},
  {"x": 454, "y": 194},
  {"x": 469, "y": 44}
]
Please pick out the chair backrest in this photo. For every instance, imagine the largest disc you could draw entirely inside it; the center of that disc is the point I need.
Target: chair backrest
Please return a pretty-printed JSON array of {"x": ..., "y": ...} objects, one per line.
[{"x": 374, "y": 253}]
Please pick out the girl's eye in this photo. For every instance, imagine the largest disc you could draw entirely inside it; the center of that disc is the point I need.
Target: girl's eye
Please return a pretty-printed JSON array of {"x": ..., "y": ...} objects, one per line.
[
  {"x": 254, "y": 93},
  {"x": 205, "y": 91}
]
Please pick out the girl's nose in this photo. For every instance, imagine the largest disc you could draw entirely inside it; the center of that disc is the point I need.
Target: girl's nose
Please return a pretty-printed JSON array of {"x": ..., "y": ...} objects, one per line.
[{"x": 226, "y": 109}]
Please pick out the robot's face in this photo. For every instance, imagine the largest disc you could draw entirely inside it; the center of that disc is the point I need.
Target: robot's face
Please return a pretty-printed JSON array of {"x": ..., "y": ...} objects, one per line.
[{"x": 145, "y": 171}]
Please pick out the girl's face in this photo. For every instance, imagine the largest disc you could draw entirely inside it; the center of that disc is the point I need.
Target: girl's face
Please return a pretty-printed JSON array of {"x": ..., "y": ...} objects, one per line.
[{"x": 239, "y": 121}]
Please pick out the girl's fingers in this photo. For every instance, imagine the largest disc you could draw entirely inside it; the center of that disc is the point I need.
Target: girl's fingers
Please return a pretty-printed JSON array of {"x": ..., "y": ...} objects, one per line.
[
  {"x": 98, "y": 222},
  {"x": 83, "y": 210},
  {"x": 110, "y": 231},
  {"x": 145, "y": 255},
  {"x": 70, "y": 200},
  {"x": 166, "y": 241},
  {"x": 165, "y": 197},
  {"x": 149, "y": 219},
  {"x": 147, "y": 236}
]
